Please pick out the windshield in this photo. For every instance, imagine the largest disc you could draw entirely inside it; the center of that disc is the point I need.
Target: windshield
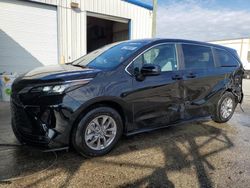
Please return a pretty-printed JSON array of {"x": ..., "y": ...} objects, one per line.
[{"x": 109, "y": 56}]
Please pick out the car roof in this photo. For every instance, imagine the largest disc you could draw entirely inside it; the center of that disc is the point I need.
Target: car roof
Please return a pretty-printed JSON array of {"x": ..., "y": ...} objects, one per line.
[{"x": 162, "y": 40}]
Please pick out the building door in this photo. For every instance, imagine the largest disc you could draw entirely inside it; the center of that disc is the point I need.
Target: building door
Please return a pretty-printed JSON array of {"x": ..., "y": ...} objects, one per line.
[{"x": 103, "y": 30}]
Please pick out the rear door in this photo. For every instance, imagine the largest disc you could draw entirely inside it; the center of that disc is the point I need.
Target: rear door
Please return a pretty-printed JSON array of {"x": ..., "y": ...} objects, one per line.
[
  {"x": 157, "y": 99},
  {"x": 200, "y": 79}
]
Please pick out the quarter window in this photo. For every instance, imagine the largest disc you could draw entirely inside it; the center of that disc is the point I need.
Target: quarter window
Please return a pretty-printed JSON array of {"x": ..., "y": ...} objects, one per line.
[
  {"x": 162, "y": 55},
  {"x": 224, "y": 59},
  {"x": 197, "y": 57}
]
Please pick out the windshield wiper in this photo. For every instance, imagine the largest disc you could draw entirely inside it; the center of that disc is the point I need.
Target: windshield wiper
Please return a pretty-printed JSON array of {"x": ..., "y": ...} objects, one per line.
[{"x": 78, "y": 65}]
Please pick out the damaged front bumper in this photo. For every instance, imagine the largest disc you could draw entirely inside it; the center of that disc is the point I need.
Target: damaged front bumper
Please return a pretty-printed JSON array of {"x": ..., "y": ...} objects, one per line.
[{"x": 46, "y": 126}]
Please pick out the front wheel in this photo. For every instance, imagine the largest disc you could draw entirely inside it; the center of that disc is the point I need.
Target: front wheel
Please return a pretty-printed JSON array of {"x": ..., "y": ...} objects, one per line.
[
  {"x": 97, "y": 132},
  {"x": 225, "y": 108}
]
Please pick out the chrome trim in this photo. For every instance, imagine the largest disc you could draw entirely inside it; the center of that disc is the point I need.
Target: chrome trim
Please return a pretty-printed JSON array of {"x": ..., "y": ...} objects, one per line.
[
  {"x": 210, "y": 46},
  {"x": 176, "y": 43},
  {"x": 177, "y": 56},
  {"x": 78, "y": 80}
]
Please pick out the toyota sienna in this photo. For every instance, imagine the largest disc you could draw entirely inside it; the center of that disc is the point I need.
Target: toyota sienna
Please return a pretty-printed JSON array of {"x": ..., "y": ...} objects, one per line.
[{"x": 125, "y": 88}]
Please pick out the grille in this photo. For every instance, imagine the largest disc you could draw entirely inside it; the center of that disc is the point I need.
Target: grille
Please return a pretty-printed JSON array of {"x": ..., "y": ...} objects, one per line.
[
  {"x": 20, "y": 119},
  {"x": 15, "y": 99},
  {"x": 24, "y": 127},
  {"x": 23, "y": 121}
]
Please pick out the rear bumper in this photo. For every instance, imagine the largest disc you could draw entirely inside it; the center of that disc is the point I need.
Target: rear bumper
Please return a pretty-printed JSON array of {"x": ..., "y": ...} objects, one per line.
[{"x": 43, "y": 126}]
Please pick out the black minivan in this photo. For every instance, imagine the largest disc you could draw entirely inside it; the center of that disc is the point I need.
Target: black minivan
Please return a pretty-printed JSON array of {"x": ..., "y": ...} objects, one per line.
[{"x": 125, "y": 88}]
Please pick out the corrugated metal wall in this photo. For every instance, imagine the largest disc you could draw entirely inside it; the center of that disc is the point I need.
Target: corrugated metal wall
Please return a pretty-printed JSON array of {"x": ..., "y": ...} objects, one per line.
[{"x": 72, "y": 22}]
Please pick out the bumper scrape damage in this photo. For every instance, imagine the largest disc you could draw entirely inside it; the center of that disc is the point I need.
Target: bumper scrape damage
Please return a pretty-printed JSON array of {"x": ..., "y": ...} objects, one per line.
[{"x": 47, "y": 126}]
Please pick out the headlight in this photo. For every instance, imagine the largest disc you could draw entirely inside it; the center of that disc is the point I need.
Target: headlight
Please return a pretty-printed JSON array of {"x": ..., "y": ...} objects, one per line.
[
  {"x": 60, "y": 88},
  {"x": 53, "y": 89}
]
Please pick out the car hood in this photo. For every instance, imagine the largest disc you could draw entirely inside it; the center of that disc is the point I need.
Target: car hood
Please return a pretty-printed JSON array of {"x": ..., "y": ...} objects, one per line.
[
  {"x": 60, "y": 73},
  {"x": 52, "y": 74}
]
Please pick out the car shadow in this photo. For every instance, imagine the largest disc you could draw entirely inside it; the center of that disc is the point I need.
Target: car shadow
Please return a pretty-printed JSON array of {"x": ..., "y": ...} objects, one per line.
[
  {"x": 183, "y": 147},
  {"x": 175, "y": 159}
]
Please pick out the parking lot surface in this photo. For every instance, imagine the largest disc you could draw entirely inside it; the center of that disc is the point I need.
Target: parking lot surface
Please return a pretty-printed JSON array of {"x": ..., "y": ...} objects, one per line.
[{"x": 198, "y": 154}]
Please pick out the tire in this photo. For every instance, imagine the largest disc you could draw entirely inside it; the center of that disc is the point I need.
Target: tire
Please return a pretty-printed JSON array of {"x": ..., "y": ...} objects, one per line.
[
  {"x": 218, "y": 115},
  {"x": 82, "y": 135}
]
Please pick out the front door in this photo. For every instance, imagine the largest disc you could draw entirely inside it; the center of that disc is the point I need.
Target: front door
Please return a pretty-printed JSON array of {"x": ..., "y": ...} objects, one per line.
[{"x": 157, "y": 99}]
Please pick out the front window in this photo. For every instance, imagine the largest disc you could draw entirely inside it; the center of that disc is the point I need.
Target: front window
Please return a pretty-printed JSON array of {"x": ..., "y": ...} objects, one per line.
[
  {"x": 162, "y": 55},
  {"x": 109, "y": 56}
]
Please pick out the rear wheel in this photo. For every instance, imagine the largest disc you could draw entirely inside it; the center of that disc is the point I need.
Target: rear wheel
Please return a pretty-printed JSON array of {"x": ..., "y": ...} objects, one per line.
[
  {"x": 225, "y": 108},
  {"x": 97, "y": 132}
]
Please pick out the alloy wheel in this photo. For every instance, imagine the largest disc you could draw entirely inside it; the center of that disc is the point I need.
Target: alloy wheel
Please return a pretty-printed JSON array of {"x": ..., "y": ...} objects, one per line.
[
  {"x": 226, "y": 107},
  {"x": 100, "y": 132}
]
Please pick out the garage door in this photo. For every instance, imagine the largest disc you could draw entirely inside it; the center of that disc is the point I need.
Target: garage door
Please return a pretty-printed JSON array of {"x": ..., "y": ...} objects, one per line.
[{"x": 28, "y": 36}]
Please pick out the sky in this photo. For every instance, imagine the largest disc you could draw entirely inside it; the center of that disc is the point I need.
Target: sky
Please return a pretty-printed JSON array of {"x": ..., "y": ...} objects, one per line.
[{"x": 205, "y": 20}]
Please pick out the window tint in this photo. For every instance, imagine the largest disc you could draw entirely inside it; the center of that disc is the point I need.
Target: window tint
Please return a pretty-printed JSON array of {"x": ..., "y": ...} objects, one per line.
[
  {"x": 197, "y": 57},
  {"x": 162, "y": 55},
  {"x": 223, "y": 58}
]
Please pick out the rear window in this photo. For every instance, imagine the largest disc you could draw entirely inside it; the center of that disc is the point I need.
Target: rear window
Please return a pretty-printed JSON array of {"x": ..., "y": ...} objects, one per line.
[
  {"x": 224, "y": 59},
  {"x": 197, "y": 57}
]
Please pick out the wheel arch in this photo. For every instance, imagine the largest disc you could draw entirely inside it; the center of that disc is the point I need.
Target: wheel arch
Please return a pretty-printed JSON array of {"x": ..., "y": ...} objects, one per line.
[
  {"x": 114, "y": 104},
  {"x": 238, "y": 97}
]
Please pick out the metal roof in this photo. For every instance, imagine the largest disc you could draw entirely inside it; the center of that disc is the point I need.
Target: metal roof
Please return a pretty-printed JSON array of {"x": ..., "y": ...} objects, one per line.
[{"x": 140, "y": 3}]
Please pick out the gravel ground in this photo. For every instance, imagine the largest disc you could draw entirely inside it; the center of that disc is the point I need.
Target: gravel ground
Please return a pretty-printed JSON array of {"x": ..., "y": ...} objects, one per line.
[{"x": 198, "y": 154}]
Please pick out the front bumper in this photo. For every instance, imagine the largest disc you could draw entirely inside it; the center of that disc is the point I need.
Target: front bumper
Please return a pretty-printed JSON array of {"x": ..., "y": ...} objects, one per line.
[{"x": 46, "y": 126}]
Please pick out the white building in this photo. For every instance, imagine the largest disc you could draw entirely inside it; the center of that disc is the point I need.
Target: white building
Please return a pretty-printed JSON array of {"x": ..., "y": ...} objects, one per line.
[
  {"x": 47, "y": 32},
  {"x": 242, "y": 46}
]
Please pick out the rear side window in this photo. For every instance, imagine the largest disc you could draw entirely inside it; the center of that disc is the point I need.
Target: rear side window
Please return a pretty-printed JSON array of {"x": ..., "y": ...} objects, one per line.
[
  {"x": 197, "y": 57},
  {"x": 224, "y": 59}
]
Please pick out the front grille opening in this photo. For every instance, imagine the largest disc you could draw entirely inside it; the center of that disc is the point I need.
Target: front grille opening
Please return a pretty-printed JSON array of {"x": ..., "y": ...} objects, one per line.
[{"x": 48, "y": 117}]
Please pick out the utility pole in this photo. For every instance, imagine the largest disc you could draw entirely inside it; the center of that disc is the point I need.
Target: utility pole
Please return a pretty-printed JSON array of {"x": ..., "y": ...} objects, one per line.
[{"x": 154, "y": 18}]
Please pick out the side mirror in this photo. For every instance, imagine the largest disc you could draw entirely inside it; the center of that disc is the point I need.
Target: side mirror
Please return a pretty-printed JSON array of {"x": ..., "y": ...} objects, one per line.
[{"x": 150, "y": 70}]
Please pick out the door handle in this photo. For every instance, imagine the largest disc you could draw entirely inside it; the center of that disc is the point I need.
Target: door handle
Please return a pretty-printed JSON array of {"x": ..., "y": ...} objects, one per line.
[
  {"x": 176, "y": 77},
  {"x": 191, "y": 75}
]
